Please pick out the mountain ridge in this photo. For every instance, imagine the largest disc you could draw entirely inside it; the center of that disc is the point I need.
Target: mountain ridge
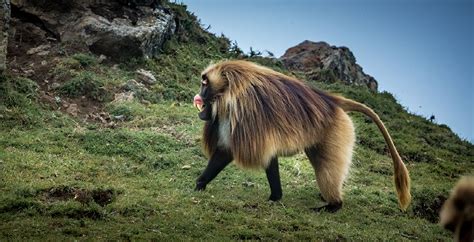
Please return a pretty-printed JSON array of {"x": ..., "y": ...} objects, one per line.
[{"x": 321, "y": 61}]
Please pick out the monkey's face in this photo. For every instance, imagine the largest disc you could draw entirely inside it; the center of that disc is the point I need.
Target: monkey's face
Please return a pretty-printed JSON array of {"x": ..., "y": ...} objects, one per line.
[
  {"x": 202, "y": 101},
  {"x": 209, "y": 92}
]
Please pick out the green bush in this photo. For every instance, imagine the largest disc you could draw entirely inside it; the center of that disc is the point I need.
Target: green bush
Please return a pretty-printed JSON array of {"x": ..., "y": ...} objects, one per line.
[
  {"x": 126, "y": 111},
  {"x": 18, "y": 102},
  {"x": 85, "y": 59},
  {"x": 17, "y": 92},
  {"x": 86, "y": 84}
]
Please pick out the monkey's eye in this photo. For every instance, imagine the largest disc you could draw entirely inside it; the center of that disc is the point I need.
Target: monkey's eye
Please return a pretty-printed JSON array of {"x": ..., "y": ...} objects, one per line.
[{"x": 204, "y": 80}]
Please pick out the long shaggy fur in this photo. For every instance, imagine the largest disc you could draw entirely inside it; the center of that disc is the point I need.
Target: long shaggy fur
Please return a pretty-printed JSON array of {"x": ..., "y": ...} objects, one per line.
[
  {"x": 270, "y": 114},
  {"x": 457, "y": 213}
]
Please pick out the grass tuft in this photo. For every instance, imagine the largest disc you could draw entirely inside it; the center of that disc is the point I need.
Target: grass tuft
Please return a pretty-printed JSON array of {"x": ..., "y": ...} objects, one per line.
[{"x": 86, "y": 84}]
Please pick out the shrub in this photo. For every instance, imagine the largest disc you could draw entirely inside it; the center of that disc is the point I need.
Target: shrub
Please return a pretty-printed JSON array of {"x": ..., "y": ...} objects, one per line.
[
  {"x": 86, "y": 84},
  {"x": 122, "y": 110},
  {"x": 85, "y": 60},
  {"x": 17, "y": 92}
]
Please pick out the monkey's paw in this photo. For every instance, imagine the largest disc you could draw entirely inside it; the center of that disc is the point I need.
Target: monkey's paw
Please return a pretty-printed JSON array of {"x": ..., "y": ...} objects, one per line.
[
  {"x": 275, "y": 198},
  {"x": 332, "y": 208},
  {"x": 200, "y": 187}
]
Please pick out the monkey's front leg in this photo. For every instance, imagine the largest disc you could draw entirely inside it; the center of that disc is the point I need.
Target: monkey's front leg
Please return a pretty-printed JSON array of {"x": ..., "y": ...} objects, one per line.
[
  {"x": 273, "y": 176},
  {"x": 219, "y": 160}
]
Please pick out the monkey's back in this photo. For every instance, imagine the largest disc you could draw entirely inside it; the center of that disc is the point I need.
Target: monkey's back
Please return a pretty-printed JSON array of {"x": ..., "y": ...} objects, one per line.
[{"x": 277, "y": 116}]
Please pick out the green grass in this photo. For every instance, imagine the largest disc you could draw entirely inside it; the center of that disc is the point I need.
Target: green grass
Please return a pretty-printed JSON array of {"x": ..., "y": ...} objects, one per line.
[
  {"x": 139, "y": 175},
  {"x": 142, "y": 161},
  {"x": 19, "y": 106}
]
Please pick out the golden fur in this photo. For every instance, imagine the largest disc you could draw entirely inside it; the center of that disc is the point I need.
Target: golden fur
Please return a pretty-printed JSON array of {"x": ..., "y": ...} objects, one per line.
[
  {"x": 457, "y": 213},
  {"x": 270, "y": 114}
]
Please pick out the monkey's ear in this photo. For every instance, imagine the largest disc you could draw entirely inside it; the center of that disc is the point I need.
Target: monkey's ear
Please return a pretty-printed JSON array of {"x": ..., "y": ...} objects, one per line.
[
  {"x": 225, "y": 75},
  {"x": 227, "y": 80}
]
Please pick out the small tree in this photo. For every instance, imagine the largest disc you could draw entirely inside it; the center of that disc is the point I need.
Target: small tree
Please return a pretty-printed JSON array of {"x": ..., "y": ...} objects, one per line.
[
  {"x": 235, "y": 50},
  {"x": 254, "y": 53},
  {"x": 270, "y": 54}
]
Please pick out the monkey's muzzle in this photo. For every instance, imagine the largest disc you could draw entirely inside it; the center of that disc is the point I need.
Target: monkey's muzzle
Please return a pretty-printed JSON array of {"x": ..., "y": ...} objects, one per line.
[
  {"x": 198, "y": 103},
  {"x": 204, "y": 107}
]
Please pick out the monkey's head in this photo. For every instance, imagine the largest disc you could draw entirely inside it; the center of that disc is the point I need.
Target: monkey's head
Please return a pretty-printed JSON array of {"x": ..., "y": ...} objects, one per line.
[
  {"x": 216, "y": 80},
  {"x": 228, "y": 81},
  {"x": 457, "y": 213},
  {"x": 212, "y": 87}
]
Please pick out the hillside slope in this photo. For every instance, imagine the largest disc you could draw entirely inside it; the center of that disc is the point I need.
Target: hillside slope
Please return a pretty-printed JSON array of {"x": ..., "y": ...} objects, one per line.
[{"x": 99, "y": 156}]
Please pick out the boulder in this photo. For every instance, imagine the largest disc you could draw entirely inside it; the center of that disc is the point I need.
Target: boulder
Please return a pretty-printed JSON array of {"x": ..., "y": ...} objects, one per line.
[
  {"x": 39, "y": 49},
  {"x": 145, "y": 77},
  {"x": 323, "y": 62},
  {"x": 118, "y": 29},
  {"x": 72, "y": 109},
  {"x": 134, "y": 86},
  {"x": 123, "y": 97}
]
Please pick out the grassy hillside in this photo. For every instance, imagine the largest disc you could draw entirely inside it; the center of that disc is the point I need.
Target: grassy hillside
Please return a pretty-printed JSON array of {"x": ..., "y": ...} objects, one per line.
[{"x": 132, "y": 165}]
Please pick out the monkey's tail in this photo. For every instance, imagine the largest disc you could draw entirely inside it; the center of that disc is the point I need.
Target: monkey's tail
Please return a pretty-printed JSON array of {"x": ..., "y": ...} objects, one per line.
[{"x": 401, "y": 176}]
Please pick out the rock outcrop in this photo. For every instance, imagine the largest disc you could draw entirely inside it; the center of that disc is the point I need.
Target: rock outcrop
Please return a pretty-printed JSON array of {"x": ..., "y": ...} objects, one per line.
[
  {"x": 322, "y": 62},
  {"x": 120, "y": 29},
  {"x": 5, "y": 23}
]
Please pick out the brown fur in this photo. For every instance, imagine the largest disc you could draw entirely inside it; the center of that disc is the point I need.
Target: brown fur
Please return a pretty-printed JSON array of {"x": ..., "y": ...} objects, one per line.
[
  {"x": 457, "y": 213},
  {"x": 271, "y": 114}
]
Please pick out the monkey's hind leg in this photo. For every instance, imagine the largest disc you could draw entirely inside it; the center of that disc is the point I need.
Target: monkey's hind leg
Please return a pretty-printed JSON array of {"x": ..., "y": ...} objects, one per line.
[
  {"x": 331, "y": 161},
  {"x": 273, "y": 177}
]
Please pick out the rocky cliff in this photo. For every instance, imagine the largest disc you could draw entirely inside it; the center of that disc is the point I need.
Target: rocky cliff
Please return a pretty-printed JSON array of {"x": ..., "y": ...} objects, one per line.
[
  {"x": 323, "y": 62},
  {"x": 125, "y": 29},
  {"x": 119, "y": 29}
]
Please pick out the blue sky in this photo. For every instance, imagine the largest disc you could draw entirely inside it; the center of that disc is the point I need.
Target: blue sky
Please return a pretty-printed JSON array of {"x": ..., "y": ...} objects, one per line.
[{"x": 420, "y": 50}]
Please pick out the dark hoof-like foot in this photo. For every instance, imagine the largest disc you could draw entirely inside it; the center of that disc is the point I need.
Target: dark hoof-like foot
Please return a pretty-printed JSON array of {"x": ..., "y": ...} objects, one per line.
[
  {"x": 200, "y": 187},
  {"x": 332, "y": 208},
  {"x": 275, "y": 198}
]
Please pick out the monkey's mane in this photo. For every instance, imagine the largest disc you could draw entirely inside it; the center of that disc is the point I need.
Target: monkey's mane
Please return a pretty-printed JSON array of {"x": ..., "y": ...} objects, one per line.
[{"x": 266, "y": 110}]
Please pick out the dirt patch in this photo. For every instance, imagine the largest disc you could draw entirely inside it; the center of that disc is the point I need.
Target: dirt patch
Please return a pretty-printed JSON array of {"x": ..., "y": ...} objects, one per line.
[
  {"x": 63, "y": 193},
  {"x": 429, "y": 207},
  {"x": 103, "y": 197}
]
